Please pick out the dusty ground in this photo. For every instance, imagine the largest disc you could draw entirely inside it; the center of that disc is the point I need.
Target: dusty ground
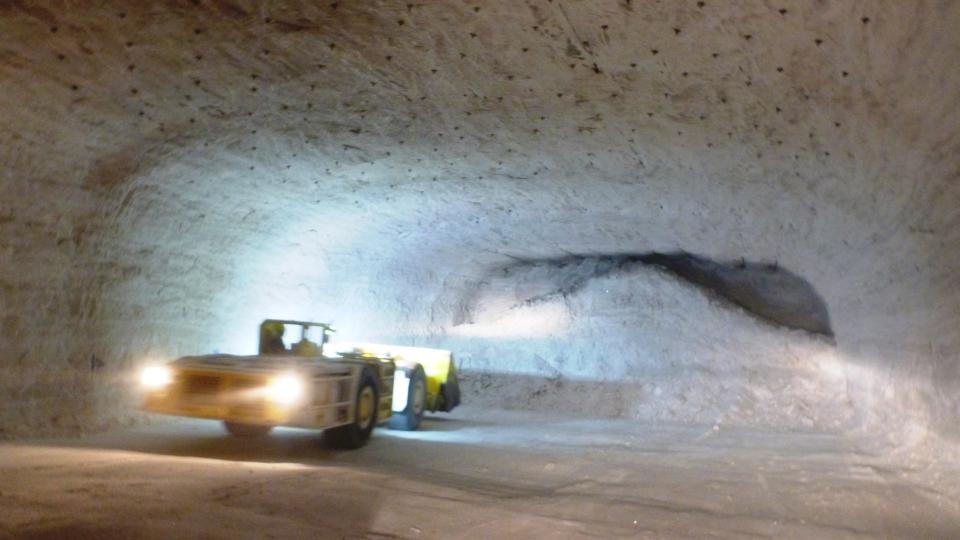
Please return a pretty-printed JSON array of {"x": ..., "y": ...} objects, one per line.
[{"x": 469, "y": 475}]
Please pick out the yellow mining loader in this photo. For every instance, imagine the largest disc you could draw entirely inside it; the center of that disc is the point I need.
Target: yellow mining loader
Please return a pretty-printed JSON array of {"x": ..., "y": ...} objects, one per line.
[{"x": 294, "y": 383}]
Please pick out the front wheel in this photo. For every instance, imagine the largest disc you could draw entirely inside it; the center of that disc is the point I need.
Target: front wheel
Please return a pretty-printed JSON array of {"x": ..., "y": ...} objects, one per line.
[
  {"x": 246, "y": 430},
  {"x": 357, "y": 433},
  {"x": 411, "y": 416}
]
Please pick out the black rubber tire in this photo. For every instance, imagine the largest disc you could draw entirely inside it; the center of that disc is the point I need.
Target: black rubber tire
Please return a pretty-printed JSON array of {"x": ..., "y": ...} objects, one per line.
[
  {"x": 450, "y": 390},
  {"x": 410, "y": 418},
  {"x": 246, "y": 430},
  {"x": 353, "y": 435}
]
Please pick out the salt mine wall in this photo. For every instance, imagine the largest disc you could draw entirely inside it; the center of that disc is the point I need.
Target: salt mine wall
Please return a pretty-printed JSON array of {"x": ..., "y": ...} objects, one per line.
[
  {"x": 449, "y": 174},
  {"x": 639, "y": 342}
]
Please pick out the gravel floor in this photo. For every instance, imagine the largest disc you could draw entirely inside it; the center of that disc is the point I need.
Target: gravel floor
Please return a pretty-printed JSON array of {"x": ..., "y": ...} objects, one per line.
[{"x": 473, "y": 474}]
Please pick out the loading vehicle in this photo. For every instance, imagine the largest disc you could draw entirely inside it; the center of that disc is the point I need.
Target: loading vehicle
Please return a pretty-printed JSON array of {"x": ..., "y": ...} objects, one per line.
[{"x": 296, "y": 384}]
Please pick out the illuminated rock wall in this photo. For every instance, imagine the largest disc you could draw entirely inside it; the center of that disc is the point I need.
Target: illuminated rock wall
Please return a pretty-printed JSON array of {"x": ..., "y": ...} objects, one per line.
[
  {"x": 638, "y": 342},
  {"x": 175, "y": 172}
]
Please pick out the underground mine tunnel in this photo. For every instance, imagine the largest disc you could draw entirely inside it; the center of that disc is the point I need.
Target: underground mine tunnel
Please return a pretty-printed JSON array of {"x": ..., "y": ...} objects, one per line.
[{"x": 697, "y": 263}]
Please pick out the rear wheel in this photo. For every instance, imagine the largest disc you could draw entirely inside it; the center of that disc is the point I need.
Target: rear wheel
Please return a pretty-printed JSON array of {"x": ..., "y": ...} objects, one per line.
[
  {"x": 411, "y": 416},
  {"x": 357, "y": 433},
  {"x": 246, "y": 430}
]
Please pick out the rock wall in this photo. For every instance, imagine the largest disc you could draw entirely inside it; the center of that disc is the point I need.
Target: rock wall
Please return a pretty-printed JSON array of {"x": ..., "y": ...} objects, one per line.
[
  {"x": 639, "y": 342},
  {"x": 175, "y": 172}
]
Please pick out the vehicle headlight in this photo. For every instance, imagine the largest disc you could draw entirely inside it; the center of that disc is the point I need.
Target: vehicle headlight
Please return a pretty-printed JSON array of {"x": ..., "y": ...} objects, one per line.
[
  {"x": 285, "y": 389},
  {"x": 156, "y": 377}
]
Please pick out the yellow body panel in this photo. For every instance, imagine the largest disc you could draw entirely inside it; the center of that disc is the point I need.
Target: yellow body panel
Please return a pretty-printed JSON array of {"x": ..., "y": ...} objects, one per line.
[{"x": 436, "y": 363}]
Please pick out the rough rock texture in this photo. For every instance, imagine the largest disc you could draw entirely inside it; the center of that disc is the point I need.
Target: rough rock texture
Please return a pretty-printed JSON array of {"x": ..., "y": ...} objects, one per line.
[
  {"x": 641, "y": 343},
  {"x": 174, "y": 172}
]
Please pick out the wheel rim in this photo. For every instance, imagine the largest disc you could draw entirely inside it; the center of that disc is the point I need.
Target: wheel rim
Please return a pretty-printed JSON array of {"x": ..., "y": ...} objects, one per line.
[
  {"x": 419, "y": 396},
  {"x": 365, "y": 408}
]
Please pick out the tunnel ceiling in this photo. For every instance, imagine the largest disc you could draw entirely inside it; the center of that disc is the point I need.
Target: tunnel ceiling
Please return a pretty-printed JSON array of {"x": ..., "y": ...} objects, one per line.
[{"x": 179, "y": 161}]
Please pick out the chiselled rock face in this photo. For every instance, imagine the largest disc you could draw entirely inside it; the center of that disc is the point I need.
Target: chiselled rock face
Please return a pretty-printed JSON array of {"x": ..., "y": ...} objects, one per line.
[{"x": 668, "y": 210}]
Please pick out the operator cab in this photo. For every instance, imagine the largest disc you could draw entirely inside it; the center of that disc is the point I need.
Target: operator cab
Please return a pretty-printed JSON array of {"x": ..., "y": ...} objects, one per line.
[{"x": 293, "y": 338}]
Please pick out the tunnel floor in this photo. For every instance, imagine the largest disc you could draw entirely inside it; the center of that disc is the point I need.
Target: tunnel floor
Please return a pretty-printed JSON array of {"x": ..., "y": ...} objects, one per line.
[{"x": 473, "y": 474}]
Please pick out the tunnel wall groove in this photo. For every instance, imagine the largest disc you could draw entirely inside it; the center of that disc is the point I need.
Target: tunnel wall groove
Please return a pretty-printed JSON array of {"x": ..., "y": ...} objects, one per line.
[{"x": 765, "y": 290}]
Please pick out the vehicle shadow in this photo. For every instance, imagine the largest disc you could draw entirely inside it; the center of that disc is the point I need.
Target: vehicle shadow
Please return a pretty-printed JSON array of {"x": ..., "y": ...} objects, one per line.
[
  {"x": 208, "y": 440},
  {"x": 282, "y": 445}
]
